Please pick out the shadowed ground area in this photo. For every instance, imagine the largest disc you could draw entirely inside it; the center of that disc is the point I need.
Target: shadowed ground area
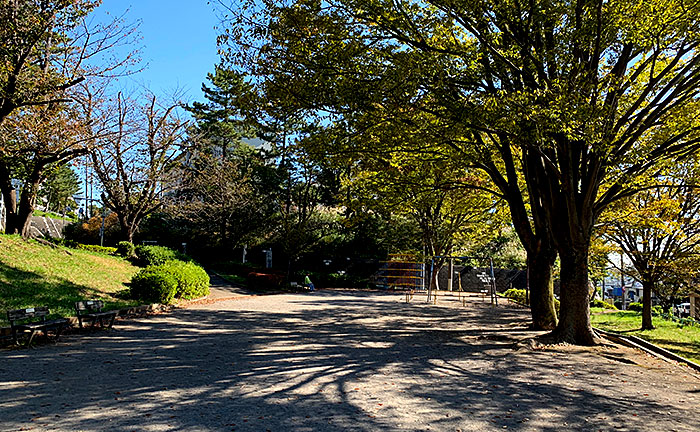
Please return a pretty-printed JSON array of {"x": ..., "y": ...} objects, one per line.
[{"x": 338, "y": 360}]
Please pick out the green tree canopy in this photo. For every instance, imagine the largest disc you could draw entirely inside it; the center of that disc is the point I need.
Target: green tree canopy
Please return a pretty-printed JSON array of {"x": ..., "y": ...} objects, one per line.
[{"x": 572, "y": 99}]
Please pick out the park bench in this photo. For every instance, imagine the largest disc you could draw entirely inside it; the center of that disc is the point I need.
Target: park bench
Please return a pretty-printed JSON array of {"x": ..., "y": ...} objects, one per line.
[
  {"x": 92, "y": 310},
  {"x": 25, "y": 321}
]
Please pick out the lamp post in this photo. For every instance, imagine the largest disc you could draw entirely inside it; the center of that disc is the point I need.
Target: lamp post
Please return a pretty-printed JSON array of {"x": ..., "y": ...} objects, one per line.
[{"x": 102, "y": 227}]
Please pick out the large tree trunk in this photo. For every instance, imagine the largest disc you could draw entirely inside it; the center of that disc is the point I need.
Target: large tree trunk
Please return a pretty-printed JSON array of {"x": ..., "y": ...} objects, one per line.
[
  {"x": 127, "y": 232},
  {"x": 10, "y": 199},
  {"x": 23, "y": 222},
  {"x": 574, "y": 319},
  {"x": 647, "y": 289},
  {"x": 541, "y": 282},
  {"x": 435, "y": 272}
]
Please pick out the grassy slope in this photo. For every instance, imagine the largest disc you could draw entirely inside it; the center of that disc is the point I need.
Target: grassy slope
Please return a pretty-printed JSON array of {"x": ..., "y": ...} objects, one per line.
[
  {"x": 681, "y": 340},
  {"x": 35, "y": 275}
]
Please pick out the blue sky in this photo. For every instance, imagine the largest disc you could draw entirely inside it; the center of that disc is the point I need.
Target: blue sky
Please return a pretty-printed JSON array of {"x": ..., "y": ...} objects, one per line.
[{"x": 179, "y": 42}]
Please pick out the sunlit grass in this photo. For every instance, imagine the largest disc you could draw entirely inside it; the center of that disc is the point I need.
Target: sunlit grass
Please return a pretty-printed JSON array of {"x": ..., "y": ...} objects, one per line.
[
  {"x": 677, "y": 338},
  {"x": 32, "y": 274}
]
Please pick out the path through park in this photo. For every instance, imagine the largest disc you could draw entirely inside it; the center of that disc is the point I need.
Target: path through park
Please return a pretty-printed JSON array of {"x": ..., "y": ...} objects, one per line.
[{"x": 337, "y": 361}]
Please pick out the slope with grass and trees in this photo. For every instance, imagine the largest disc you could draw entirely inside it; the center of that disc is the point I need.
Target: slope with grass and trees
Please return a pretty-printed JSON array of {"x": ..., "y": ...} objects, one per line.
[{"x": 34, "y": 274}]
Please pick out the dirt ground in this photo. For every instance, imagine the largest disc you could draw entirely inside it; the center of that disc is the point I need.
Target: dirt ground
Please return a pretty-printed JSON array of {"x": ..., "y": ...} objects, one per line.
[{"x": 336, "y": 361}]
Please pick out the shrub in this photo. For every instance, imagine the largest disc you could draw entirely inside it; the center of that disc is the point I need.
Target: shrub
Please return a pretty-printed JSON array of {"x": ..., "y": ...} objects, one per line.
[
  {"x": 156, "y": 255},
  {"x": 637, "y": 307},
  {"x": 96, "y": 248},
  {"x": 657, "y": 310},
  {"x": 602, "y": 304},
  {"x": 153, "y": 285},
  {"x": 516, "y": 294},
  {"x": 192, "y": 280},
  {"x": 125, "y": 249}
]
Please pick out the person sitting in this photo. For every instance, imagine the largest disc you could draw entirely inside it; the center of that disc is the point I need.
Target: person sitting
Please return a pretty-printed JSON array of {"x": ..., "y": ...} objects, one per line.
[{"x": 307, "y": 283}]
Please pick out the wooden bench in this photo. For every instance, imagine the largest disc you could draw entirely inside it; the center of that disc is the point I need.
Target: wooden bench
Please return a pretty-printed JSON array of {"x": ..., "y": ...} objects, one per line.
[
  {"x": 92, "y": 310},
  {"x": 24, "y": 320}
]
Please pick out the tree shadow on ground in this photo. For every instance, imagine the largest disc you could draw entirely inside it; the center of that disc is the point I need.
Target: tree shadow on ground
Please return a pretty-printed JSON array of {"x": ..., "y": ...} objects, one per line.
[{"x": 332, "y": 362}]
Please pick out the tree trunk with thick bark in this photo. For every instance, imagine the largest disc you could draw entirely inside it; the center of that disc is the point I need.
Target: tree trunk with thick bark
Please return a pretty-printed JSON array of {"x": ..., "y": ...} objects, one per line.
[
  {"x": 541, "y": 283},
  {"x": 647, "y": 289},
  {"x": 27, "y": 203},
  {"x": 9, "y": 197},
  {"x": 574, "y": 319},
  {"x": 125, "y": 228}
]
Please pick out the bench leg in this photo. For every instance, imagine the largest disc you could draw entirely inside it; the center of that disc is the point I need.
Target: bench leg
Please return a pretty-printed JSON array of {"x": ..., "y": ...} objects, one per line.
[
  {"x": 80, "y": 322},
  {"x": 59, "y": 330},
  {"x": 111, "y": 321},
  {"x": 31, "y": 337}
]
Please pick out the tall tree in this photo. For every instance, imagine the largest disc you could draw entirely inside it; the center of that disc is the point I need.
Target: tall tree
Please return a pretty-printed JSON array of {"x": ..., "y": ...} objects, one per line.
[
  {"x": 133, "y": 162},
  {"x": 659, "y": 231},
  {"x": 432, "y": 196},
  {"x": 227, "y": 200},
  {"x": 60, "y": 186},
  {"x": 47, "y": 49},
  {"x": 570, "y": 99},
  {"x": 33, "y": 140}
]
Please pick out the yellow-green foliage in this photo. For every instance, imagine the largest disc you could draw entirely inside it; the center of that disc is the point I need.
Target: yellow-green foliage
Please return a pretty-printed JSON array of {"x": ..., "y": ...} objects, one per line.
[
  {"x": 192, "y": 280},
  {"x": 519, "y": 296},
  {"x": 602, "y": 304}
]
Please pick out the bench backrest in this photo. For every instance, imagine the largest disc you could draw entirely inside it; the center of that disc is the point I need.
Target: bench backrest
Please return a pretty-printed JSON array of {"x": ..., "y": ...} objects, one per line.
[
  {"x": 27, "y": 313},
  {"x": 89, "y": 305}
]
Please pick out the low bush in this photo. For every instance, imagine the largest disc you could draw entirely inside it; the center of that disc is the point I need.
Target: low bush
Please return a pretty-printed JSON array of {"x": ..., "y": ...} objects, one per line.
[
  {"x": 657, "y": 310},
  {"x": 516, "y": 294},
  {"x": 192, "y": 280},
  {"x": 147, "y": 255},
  {"x": 125, "y": 249},
  {"x": 602, "y": 304},
  {"x": 153, "y": 285},
  {"x": 636, "y": 307},
  {"x": 96, "y": 248}
]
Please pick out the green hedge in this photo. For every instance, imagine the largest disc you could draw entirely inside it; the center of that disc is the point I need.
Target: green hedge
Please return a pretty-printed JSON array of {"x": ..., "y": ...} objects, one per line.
[
  {"x": 518, "y": 295},
  {"x": 96, "y": 248},
  {"x": 634, "y": 306},
  {"x": 331, "y": 280},
  {"x": 192, "y": 280},
  {"x": 153, "y": 285},
  {"x": 602, "y": 304},
  {"x": 147, "y": 255},
  {"x": 125, "y": 249}
]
